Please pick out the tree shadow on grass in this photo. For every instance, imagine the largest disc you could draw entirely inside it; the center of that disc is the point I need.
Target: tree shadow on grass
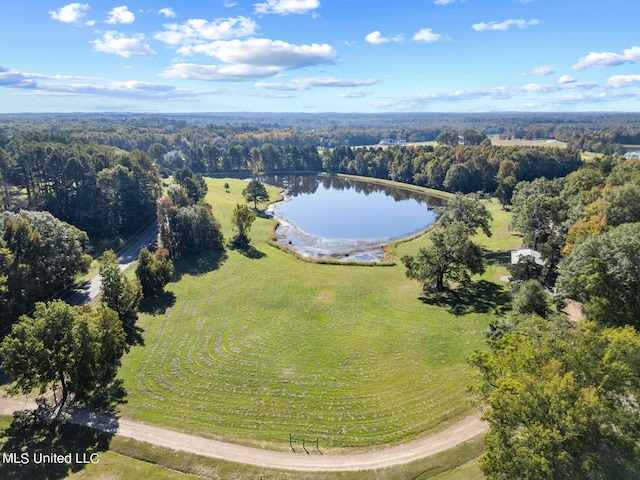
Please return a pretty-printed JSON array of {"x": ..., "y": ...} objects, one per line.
[
  {"x": 250, "y": 251},
  {"x": 158, "y": 305},
  {"x": 134, "y": 334},
  {"x": 472, "y": 297},
  {"x": 198, "y": 264},
  {"x": 497, "y": 258},
  {"x": 34, "y": 436}
]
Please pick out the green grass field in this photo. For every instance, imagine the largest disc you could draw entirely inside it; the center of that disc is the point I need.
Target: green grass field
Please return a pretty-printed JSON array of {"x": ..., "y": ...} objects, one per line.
[
  {"x": 259, "y": 344},
  {"x": 496, "y": 140}
]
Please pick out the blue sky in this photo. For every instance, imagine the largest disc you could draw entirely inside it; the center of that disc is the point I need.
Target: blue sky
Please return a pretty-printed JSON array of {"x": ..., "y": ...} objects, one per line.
[{"x": 320, "y": 56}]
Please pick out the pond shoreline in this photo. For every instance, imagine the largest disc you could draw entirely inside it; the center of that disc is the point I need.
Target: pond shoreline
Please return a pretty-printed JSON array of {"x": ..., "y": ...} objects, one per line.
[{"x": 290, "y": 237}]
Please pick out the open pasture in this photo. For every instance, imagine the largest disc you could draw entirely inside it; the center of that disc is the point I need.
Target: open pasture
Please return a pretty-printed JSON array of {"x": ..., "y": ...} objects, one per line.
[
  {"x": 258, "y": 345},
  {"x": 496, "y": 140}
]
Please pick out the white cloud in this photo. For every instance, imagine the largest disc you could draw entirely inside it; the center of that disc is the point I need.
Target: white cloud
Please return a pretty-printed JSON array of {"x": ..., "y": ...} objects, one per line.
[
  {"x": 539, "y": 87},
  {"x": 621, "y": 81},
  {"x": 566, "y": 79},
  {"x": 121, "y": 15},
  {"x": 197, "y": 30},
  {"x": 286, "y": 7},
  {"x": 493, "y": 93},
  {"x": 15, "y": 79},
  {"x": 542, "y": 71},
  {"x": 608, "y": 59},
  {"x": 376, "y": 38},
  {"x": 564, "y": 83},
  {"x": 427, "y": 35},
  {"x": 266, "y": 53},
  {"x": 120, "y": 44},
  {"x": 71, "y": 13},
  {"x": 307, "y": 83},
  {"x": 443, "y": 2},
  {"x": 229, "y": 73},
  {"x": 55, "y": 85},
  {"x": 483, "y": 27},
  {"x": 355, "y": 94},
  {"x": 167, "y": 12}
]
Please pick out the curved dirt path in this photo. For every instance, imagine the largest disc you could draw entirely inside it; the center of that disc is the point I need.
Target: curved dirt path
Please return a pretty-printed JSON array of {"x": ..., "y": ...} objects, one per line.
[
  {"x": 313, "y": 462},
  {"x": 91, "y": 289}
]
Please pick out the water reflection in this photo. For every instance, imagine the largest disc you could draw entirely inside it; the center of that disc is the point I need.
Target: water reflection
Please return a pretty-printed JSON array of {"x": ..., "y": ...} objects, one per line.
[{"x": 346, "y": 219}]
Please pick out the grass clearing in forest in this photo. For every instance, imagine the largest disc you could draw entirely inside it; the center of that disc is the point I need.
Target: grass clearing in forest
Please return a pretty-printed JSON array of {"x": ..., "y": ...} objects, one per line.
[
  {"x": 521, "y": 142},
  {"x": 258, "y": 344}
]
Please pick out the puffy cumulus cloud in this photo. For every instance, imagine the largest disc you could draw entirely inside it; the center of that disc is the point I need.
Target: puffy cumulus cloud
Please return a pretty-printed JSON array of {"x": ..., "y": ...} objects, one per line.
[
  {"x": 355, "y": 94},
  {"x": 608, "y": 59},
  {"x": 218, "y": 73},
  {"x": 286, "y": 7},
  {"x": 565, "y": 79},
  {"x": 307, "y": 83},
  {"x": 197, "y": 30},
  {"x": 121, "y": 15},
  {"x": 167, "y": 12},
  {"x": 621, "y": 81},
  {"x": 263, "y": 52},
  {"x": 483, "y": 27},
  {"x": 120, "y": 44},
  {"x": 427, "y": 35},
  {"x": 376, "y": 38},
  {"x": 71, "y": 13}
]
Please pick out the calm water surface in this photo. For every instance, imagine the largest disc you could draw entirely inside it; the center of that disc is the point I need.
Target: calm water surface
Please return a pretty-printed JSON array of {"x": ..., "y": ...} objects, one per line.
[{"x": 346, "y": 219}]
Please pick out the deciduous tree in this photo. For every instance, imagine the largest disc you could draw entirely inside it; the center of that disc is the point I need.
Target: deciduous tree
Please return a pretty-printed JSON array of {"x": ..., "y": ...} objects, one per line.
[
  {"x": 561, "y": 401},
  {"x": 451, "y": 256},
  {"x": 154, "y": 271},
  {"x": 603, "y": 272},
  {"x": 119, "y": 293},
  {"x": 469, "y": 210},
  {"x": 76, "y": 349},
  {"x": 242, "y": 219}
]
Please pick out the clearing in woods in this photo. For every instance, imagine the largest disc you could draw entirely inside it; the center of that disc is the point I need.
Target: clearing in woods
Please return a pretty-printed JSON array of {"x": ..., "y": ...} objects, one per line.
[{"x": 257, "y": 345}]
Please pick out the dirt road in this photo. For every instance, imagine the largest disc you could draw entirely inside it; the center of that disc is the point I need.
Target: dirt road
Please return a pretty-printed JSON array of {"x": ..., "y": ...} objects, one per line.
[
  {"x": 314, "y": 461},
  {"x": 91, "y": 289}
]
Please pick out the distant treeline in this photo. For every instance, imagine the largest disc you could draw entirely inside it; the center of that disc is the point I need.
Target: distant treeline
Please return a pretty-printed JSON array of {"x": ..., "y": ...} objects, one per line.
[
  {"x": 466, "y": 168},
  {"x": 588, "y": 131},
  {"x": 107, "y": 191}
]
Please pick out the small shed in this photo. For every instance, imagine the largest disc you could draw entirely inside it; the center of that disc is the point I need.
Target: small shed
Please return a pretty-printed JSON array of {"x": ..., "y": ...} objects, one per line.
[{"x": 516, "y": 255}]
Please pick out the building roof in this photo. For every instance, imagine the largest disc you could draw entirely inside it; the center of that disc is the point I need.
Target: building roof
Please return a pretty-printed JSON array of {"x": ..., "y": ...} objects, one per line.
[{"x": 516, "y": 255}]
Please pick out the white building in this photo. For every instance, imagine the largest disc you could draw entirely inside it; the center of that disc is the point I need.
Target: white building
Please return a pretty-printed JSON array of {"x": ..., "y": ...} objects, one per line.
[{"x": 516, "y": 255}]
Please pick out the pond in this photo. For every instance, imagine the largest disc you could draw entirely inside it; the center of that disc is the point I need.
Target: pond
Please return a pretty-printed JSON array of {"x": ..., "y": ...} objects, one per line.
[{"x": 346, "y": 219}]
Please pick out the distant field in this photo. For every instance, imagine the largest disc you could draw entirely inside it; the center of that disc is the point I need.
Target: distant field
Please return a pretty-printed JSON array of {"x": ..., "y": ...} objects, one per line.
[
  {"x": 496, "y": 140},
  {"x": 259, "y": 345},
  {"x": 631, "y": 148}
]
